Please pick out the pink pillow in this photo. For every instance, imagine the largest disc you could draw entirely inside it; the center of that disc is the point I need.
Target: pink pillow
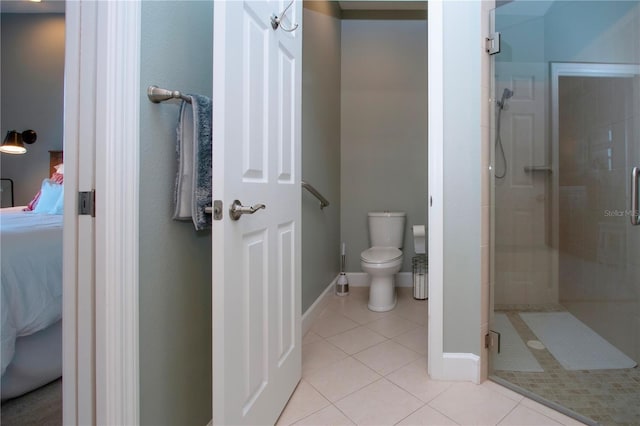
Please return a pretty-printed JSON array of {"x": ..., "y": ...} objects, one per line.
[{"x": 55, "y": 177}]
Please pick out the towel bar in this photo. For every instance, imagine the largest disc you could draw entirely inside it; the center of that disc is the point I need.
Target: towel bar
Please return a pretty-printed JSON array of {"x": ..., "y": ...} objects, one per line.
[{"x": 157, "y": 95}]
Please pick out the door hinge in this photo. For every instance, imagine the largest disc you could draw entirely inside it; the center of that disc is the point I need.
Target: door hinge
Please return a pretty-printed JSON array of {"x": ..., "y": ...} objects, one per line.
[
  {"x": 492, "y": 43},
  {"x": 87, "y": 203},
  {"x": 490, "y": 342}
]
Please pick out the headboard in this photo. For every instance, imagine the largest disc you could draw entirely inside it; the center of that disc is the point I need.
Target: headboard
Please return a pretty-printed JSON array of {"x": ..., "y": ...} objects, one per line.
[{"x": 55, "y": 158}]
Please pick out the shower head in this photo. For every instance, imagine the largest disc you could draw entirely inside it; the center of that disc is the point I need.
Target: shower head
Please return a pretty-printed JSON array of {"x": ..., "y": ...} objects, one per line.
[{"x": 506, "y": 94}]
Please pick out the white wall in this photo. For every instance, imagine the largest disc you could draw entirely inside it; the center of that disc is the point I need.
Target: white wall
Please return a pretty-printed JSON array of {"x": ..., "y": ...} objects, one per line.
[
  {"x": 383, "y": 128},
  {"x": 320, "y": 147},
  {"x": 175, "y": 261},
  {"x": 32, "y": 95},
  {"x": 465, "y": 134}
]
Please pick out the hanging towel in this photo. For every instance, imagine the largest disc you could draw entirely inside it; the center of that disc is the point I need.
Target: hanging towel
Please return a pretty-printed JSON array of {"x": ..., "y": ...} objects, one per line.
[{"x": 193, "y": 192}]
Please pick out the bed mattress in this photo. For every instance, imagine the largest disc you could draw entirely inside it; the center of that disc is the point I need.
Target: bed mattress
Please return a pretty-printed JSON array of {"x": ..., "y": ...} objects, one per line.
[
  {"x": 31, "y": 275},
  {"x": 36, "y": 362}
]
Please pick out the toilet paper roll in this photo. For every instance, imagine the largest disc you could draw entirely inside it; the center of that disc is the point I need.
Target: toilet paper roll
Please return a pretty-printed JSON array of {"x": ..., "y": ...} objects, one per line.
[{"x": 419, "y": 239}]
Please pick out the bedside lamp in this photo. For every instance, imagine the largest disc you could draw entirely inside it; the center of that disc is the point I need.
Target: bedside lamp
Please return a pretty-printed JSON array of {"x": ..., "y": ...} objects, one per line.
[{"x": 14, "y": 141}]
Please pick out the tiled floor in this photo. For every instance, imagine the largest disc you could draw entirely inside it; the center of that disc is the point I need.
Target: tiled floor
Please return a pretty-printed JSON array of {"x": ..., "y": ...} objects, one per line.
[{"x": 366, "y": 368}]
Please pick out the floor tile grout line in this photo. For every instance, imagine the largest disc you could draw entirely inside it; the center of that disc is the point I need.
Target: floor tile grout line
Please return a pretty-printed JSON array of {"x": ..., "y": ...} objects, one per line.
[
  {"x": 379, "y": 343},
  {"x": 507, "y": 415},
  {"x": 386, "y": 339},
  {"x": 334, "y": 403},
  {"x": 346, "y": 415},
  {"x": 407, "y": 390},
  {"x": 440, "y": 412},
  {"x": 310, "y": 414},
  {"x": 380, "y": 376},
  {"x": 538, "y": 412},
  {"x": 411, "y": 413},
  {"x": 402, "y": 344}
]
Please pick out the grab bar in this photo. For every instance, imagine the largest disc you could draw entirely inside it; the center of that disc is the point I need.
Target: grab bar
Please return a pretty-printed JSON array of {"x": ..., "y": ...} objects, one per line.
[
  {"x": 531, "y": 169},
  {"x": 323, "y": 201}
]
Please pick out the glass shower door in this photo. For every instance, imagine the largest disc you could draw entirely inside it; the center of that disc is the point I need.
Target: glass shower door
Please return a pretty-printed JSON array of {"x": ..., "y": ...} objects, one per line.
[{"x": 565, "y": 256}]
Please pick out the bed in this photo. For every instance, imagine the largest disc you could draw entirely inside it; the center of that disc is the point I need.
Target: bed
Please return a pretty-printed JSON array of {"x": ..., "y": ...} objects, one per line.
[{"x": 31, "y": 298}]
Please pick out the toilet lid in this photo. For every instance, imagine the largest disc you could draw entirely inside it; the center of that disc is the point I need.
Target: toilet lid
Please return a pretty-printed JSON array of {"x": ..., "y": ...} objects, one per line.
[{"x": 380, "y": 254}]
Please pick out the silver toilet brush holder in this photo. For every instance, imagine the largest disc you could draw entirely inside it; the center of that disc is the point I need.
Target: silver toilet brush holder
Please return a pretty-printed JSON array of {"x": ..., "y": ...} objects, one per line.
[{"x": 342, "y": 285}]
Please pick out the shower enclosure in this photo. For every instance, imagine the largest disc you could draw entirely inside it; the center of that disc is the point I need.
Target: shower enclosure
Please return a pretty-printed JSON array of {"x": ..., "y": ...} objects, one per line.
[{"x": 565, "y": 276}]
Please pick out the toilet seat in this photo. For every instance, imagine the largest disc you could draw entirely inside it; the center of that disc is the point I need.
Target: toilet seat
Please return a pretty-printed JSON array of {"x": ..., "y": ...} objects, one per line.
[{"x": 379, "y": 255}]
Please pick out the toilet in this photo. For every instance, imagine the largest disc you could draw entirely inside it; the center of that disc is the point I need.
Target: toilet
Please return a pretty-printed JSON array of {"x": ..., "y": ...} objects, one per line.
[{"x": 384, "y": 259}]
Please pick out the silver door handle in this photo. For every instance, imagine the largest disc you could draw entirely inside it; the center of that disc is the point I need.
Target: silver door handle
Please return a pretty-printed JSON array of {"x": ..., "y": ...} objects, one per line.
[
  {"x": 635, "y": 218},
  {"x": 237, "y": 209}
]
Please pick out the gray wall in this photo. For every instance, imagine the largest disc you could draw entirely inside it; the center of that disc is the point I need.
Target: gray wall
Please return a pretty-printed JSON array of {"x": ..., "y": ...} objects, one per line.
[
  {"x": 383, "y": 128},
  {"x": 32, "y": 95},
  {"x": 175, "y": 261},
  {"x": 593, "y": 31},
  {"x": 320, "y": 147},
  {"x": 462, "y": 182}
]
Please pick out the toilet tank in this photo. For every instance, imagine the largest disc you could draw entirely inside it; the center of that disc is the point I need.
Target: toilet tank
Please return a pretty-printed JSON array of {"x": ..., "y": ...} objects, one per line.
[{"x": 386, "y": 229}]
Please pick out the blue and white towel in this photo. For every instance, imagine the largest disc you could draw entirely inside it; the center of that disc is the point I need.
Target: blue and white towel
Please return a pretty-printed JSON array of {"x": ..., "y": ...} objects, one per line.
[{"x": 193, "y": 192}]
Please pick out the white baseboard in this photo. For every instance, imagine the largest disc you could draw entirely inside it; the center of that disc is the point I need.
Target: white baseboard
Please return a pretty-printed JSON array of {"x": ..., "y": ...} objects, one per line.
[
  {"x": 314, "y": 310},
  {"x": 361, "y": 279},
  {"x": 461, "y": 367}
]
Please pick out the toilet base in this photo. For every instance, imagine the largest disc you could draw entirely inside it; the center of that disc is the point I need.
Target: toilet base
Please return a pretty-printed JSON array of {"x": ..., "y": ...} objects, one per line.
[
  {"x": 383, "y": 308},
  {"x": 382, "y": 294}
]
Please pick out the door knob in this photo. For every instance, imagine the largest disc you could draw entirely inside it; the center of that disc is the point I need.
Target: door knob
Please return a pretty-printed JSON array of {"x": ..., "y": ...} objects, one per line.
[{"x": 237, "y": 209}]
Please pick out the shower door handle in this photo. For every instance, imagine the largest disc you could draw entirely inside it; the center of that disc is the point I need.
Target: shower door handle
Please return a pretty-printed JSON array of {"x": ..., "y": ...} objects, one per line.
[{"x": 635, "y": 211}]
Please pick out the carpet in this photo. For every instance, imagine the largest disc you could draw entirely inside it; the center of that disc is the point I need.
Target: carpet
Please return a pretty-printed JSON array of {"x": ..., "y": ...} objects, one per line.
[
  {"x": 41, "y": 407},
  {"x": 514, "y": 354},
  {"x": 574, "y": 345}
]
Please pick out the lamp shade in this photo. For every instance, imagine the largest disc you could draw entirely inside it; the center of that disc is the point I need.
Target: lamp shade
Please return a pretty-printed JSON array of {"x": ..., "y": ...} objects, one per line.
[{"x": 13, "y": 143}]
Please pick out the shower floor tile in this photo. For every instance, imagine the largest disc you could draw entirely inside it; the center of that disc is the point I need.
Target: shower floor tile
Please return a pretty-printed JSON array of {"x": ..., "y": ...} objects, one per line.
[{"x": 609, "y": 397}]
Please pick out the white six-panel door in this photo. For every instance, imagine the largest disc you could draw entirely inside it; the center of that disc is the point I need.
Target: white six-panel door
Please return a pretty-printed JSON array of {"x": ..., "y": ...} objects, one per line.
[{"x": 256, "y": 259}]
